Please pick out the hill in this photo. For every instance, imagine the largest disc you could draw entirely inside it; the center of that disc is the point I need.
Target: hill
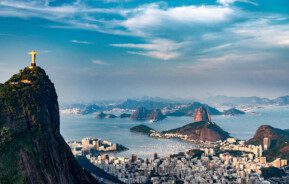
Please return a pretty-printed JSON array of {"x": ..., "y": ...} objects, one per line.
[
  {"x": 142, "y": 113},
  {"x": 279, "y": 141},
  {"x": 92, "y": 109},
  {"x": 202, "y": 131},
  {"x": 102, "y": 115},
  {"x": 142, "y": 129},
  {"x": 189, "y": 110},
  {"x": 233, "y": 112},
  {"x": 124, "y": 115},
  {"x": 283, "y": 100},
  {"x": 31, "y": 147},
  {"x": 148, "y": 104},
  {"x": 253, "y": 100}
]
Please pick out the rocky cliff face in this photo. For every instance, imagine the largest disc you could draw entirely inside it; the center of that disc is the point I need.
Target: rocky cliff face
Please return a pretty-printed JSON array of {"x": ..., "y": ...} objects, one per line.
[
  {"x": 156, "y": 115},
  {"x": 31, "y": 147},
  {"x": 201, "y": 114}
]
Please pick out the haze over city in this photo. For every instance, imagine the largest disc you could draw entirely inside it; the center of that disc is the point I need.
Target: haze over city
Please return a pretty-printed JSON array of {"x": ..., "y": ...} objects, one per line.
[{"x": 114, "y": 49}]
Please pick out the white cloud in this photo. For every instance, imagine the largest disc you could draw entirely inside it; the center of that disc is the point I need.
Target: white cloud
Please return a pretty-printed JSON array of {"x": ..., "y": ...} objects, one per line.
[
  {"x": 262, "y": 33},
  {"x": 218, "y": 48},
  {"x": 154, "y": 16},
  {"x": 100, "y": 62},
  {"x": 228, "y": 2},
  {"x": 42, "y": 9},
  {"x": 81, "y": 42},
  {"x": 157, "y": 48},
  {"x": 227, "y": 62}
]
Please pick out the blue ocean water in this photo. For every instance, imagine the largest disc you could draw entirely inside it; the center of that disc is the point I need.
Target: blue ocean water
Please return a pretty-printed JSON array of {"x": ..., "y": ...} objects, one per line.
[{"x": 76, "y": 127}]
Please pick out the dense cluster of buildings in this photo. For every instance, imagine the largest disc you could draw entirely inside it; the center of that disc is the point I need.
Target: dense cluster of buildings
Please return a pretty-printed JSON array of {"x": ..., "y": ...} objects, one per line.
[
  {"x": 231, "y": 144},
  {"x": 229, "y": 161},
  {"x": 223, "y": 168},
  {"x": 89, "y": 146},
  {"x": 234, "y": 145},
  {"x": 215, "y": 164},
  {"x": 168, "y": 135}
]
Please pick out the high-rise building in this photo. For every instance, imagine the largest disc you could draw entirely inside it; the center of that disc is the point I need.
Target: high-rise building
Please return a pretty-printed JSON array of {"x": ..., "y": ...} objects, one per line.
[
  {"x": 86, "y": 142},
  {"x": 266, "y": 143},
  {"x": 95, "y": 144},
  {"x": 133, "y": 157}
]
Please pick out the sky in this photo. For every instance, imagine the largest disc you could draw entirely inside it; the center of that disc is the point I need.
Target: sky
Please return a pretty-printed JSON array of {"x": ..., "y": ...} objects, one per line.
[{"x": 118, "y": 49}]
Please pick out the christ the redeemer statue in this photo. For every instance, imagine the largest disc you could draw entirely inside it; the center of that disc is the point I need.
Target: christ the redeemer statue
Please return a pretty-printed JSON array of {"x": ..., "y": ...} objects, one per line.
[{"x": 33, "y": 57}]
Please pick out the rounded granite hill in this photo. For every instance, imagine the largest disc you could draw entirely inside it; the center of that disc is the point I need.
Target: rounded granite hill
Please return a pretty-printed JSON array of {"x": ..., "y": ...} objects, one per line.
[{"x": 31, "y": 147}]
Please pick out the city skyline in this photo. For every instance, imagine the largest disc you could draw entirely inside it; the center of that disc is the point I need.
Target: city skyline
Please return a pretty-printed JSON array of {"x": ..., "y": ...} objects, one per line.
[{"x": 98, "y": 50}]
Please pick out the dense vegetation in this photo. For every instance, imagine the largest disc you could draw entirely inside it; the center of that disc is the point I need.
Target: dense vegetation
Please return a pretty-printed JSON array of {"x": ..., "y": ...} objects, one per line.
[
  {"x": 272, "y": 172},
  {"x": 21, "y": 101}
]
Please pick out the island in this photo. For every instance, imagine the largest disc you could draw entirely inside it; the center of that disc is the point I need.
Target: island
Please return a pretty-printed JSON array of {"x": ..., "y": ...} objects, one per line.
[
  {"x": 202, "y": 129},
  {"x": 142, "y": 129},
  {"x": 142, "y": 114},
  {"x": 102, "y": 115},
  {"x": 233, "y": 112},
  {"x": 124, "y": 115}
]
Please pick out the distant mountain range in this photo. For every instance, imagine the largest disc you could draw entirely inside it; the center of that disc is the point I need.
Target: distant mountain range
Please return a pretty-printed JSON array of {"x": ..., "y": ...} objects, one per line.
[
  {"x": 160, "y": 103},
  {"x": 254, "y": 100},
  {"x": 148, "y": 104},
  {"x": 176, "y": 108},
  {"x": 151, "y": 110},
  {"x": 189, "y": 110}
]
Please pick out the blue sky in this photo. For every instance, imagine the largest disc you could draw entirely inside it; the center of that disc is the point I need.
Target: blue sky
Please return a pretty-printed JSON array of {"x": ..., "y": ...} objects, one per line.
[{"x": 117, "y": 49}]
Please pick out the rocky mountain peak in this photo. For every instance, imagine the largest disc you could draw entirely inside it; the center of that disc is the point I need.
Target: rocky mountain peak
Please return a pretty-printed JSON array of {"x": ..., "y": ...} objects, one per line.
[{"x": 201, "y": 114}]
